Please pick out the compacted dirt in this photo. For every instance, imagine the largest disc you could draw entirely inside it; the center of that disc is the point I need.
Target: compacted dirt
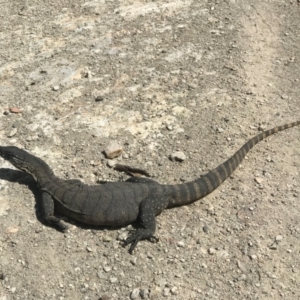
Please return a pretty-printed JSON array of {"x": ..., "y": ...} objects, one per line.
[{"x": 201, "y": 77}]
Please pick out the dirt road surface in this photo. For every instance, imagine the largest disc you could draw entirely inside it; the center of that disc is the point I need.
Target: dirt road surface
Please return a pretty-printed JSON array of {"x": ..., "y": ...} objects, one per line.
[{"x": 200, "y": 77}]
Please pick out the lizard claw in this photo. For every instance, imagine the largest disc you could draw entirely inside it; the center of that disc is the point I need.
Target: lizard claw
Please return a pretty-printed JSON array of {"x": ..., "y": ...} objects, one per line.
[
  {"x": 133, "y": 240},
  {"x": 140, "y": 234}
]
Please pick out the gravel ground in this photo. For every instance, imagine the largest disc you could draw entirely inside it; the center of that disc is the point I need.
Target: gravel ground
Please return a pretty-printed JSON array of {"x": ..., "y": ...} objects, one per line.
[{"x": 201, "y": 77}]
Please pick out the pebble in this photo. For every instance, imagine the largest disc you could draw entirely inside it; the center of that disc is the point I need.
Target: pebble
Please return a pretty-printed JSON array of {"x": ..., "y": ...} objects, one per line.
[
  {"x": 135, "y": 294},
  {"x": 213, "y": 20},
  {"x": 107, "y": 238},
  {"x": 133, "y": 261},
  {"x": 220, "y": 129},
  {"x": 113, "y": 280},
  {"x": 113, "y": 150},
  {"x": 99, "y": 98},
  {"x": 258, "y": 180},
  {"x": 253, "y": 256},
  {"x": 111, "y": 163},
  {"x": 211, "y": 251},
  {"x": 178, "y": 156},
  {"x": 106, "y": 269},
  {"x": 242, "y": 277},
  {"x": 205, "y": 229},
  {"x": 204, "y": 266},
  {"x": 279, "y": 238},
  {"x": 144, "y": 294},
  {"x": 166, "y": 292},
  {"x": 122, "y": 236},
  {"x": 55, "y": 88},
  {"x": 273, "y": 246},
  {"x": 12, "y": 133},
  {"x": 15, "y": 110},
  {"x": 174, "y": 290},
  {"x": 180, "y": 244},
  {"x": 101, "y": 275}
]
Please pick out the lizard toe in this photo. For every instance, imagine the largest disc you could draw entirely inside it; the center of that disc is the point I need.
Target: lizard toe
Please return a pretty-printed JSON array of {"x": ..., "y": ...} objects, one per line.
[{"x": 140, "y": 234}]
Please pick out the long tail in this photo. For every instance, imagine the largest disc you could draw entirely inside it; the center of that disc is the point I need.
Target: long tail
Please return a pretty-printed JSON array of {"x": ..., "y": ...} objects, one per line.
[{"x": 182, "y": 194}]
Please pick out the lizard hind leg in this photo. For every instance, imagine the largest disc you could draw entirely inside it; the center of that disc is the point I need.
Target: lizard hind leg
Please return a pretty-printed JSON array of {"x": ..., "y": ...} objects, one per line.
[{"x": 149, "y": 208}]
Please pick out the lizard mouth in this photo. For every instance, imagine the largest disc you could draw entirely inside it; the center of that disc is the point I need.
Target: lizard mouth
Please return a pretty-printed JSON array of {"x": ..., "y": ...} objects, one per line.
[{"x": 5, "y": 154}]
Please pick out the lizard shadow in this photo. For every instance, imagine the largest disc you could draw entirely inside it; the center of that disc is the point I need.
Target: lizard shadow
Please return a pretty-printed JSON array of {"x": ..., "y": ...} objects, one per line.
[{"x": 22, "y": 178}]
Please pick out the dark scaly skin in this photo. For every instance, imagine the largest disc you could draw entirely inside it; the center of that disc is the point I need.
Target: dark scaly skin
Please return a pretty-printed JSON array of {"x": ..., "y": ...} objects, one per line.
[{"x": 121, "y": 203}]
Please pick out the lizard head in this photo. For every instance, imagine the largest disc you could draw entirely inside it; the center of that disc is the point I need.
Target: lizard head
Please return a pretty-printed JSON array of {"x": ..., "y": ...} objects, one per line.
[
  {"x": 23, "y": 160},
  {"x": 14, "y": 155}
]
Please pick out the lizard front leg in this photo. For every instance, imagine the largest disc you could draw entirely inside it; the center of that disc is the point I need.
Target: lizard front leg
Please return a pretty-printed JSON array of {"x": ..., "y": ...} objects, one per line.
[
  {"x": 149, "y": 208},
  {"x": 48, "y": 209}
]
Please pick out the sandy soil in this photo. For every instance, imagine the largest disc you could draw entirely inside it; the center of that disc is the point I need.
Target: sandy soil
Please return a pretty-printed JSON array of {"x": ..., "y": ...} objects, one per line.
[{"x": 200, "y": 77}]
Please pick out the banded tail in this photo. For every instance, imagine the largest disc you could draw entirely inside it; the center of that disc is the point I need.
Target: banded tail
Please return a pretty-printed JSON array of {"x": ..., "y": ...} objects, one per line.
[{"x": 182, "y": 194}]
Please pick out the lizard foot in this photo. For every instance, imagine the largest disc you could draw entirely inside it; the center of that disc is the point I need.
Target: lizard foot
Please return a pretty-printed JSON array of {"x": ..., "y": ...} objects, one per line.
[
  {"x": 63, "y": 226},
  {"x": 140, "y": 234},
  {"x": 59, "y": 224}
]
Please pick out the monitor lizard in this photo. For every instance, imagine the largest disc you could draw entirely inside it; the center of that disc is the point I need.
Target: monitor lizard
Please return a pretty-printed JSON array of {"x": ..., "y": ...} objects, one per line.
[{"x": 121, "y": 203}]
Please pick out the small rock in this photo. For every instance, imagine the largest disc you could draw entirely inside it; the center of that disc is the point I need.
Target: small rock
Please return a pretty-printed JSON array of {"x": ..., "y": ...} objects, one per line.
[
  {"x": 144, "y": 294},
  {"x": 273, "y": 246},
  {"x": 258, "y": 180},
  {"x": 113, "y": 280},
  {"x": 213, "y": 20},
  {"x": 211, "y": 251},
  {"x": 13, "y": 132},
  {"x": 111, "y": 163},
  {"x": 106, "y": 238},
  {"x": 122, "y": 236},
  {"x": 174, "y": 290},
  {"x": 178, "y": 156},
  {"x": 55, "y": 88},
  {"x": 279, "y": 238},
  {"x": 220, "y": 129},
  {"x": 101, "y": 275},
  {"x": 166, "y": 292},
  {"x": 149, "y": 255},
  {"x": 242, "y": 277},
  {"x": 89, "y": 249},
  {"x": 12, "y": 229},
  {"x": 106, "y": 269},
  {"x": 253, "y": 256},
  {"x": 113, "y": 150},
  {"x": 99, "y": 98},
  {"x": 205, "y": 229},
  {"x": 181, "y": 244},
  {"x": 133, "y": 261},
  {"x": 15, "y": 110},
  {"x": 135, "y": 294}
]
